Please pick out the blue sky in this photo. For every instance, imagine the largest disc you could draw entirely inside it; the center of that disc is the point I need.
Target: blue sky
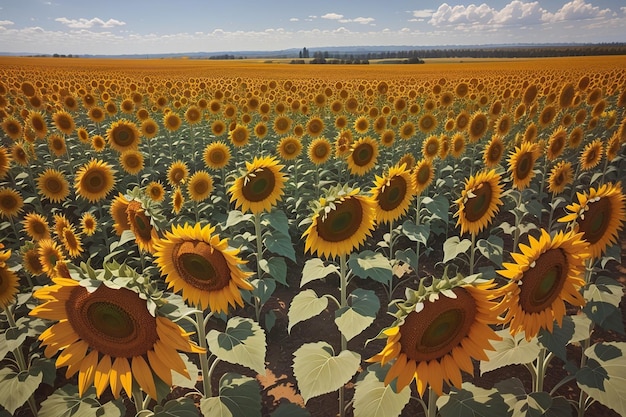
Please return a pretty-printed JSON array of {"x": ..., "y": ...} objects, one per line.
[{"x": 156, "y": 26}]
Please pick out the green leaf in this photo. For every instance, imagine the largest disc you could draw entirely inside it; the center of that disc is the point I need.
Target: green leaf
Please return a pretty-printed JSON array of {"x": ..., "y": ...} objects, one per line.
[
  {"x": 290, "y": 410},
  {"x": 15, "y": 388},
  {"x": 604, "y": 289},
  {"x": 315, "y": 269},
  {"x": 373, "y": 399},
  {"x": 239, "y": 396},
  {"x": 453, "y": 246},
  {"x": 408, "y": 256},
  {"x": 65, "y": 402},
  {"x": 582, "y": 327},
  {"x": 491, "y": 248},
  {"x": 235, "y": 217},
  {"x": 242, "y": 343},
  {"x": 179, "y": 407},
  {"x": 278, "y": 221},
  {"x": 280, "y": 245},
  {"x": 362, "y": 310},
  {"x": 416, "y": 232},
  {"x": 604, "y": 376},
  {"x": 603, "y": 299},
  {"x": 263, "y": 288},
  {"x": 11, "y": 340},
  {"x": 276, "y": 267},
  {"x": 438, "y": 207},
  {"x": 304, "y": 306},
  {"x": 472, "y": 401},
  {"x": 560, "y": 408},
  {"x": 182, "y": 381},
  {"x": 368, "y": 264},
  {"x": 318, "y": 371},
  {"x": 560, "y": 337},
  {"x": 535, "y": 404},
  {"x": 509, "y": 351}
]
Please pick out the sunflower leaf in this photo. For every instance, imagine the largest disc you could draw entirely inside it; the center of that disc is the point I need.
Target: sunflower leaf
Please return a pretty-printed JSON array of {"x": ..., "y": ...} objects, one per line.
[
  {"x": 235, "y": 217},
  {"x": 472, "y": 401},
  {"x": 65, "y": 402},
  {"x": 368, "y": 264},
  {"x": 453, "y": 246},
  {"x": 604, "y": 376},
  {"x": 16, "y": 388},
  {"x": 372, "y": 398},
  {"x": 438, "y": 207},
  {"x": 179, "y": 407},
  {"x": 510, "y": 350},
  {"x": 408, "y": 256},
  {"x": 290, "y": 410},
  {"x": 243, "y": 343},
  {"x": 557, "y": 340},
  {"x": 364, "y": 306},
  {"x": 315, "y": 269},
  {"x": 277, "y": 220},
  {"x": 181, "y": 380},
  {"x": 276, "y": 267},
  {"x": 239, "y": 396},
  {"x": 305, "y": 305},
  {"x": 491, "y": 248},
  {"x": 318, "y": 371},
  {"x": 280, "y": 244},
  {"x": 416, "y": 232}
]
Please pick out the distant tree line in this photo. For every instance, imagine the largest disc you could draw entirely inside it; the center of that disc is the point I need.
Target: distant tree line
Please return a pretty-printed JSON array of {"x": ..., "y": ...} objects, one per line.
[{"x": 225, "y": 56}]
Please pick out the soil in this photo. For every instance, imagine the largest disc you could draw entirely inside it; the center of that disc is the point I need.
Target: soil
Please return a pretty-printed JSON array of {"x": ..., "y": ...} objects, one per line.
[{"x": 279, "y": 385}]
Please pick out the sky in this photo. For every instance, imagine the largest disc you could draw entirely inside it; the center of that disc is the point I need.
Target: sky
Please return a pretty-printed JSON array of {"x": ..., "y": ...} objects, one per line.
[{"x": 114, "y": 27}]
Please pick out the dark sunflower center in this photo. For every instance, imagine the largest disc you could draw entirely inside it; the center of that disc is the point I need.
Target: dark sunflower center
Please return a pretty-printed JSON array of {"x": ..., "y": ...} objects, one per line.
[
  {"x": 115, "y": 322},
  {"x": 343, "y": 222},
  {"x": 363, "y": 154},
  {"x": 393, "y": 194},
  {"x": 432, "y": 149},
  {"x": 141, "y": 226},
  {"x": 495, "y": 152},
  {"x": 524, "y": 166},
  {"x": 477, "y": 207},
  {"x": 259, "y": 187},
  {"x": 439, "y": 327},
  {"x": 94, "y": 182},
  {"x": 217, "y": 157},
  {"x": 596, "y": 221},
  {"x": 8, "y": 202},
  {"x": 53, "y": 185},
  {"x": 123, "y": 136},
  {"x": 543, "y": 283},
  {"x": 200, "y": 266},
  {"x": 320, "y": 151},
  {"x": 201, "y": 187}
]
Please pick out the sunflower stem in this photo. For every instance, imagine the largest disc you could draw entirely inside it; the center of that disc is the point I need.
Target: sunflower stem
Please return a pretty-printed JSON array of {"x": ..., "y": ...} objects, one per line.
[
  {"x": 418, "y": 201},
  {"x": 543, "y": 183},
  {"x": 518, "y": 220},
  {"x": 138, "y": 398},
  {"x": 582, "y": 398},
  {"x": 472, "y": 254},
  {"x": 204, "y": 358},
  {"x": 344, "y": 302},
  {"x": 259, "y": 256},
  {"x": 541, "y": 371},
  {"x": 432, "y": 403}
]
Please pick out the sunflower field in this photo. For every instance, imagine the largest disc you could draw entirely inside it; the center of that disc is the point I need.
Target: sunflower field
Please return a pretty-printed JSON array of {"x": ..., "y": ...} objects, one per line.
[{"x": 240, "y": 239}]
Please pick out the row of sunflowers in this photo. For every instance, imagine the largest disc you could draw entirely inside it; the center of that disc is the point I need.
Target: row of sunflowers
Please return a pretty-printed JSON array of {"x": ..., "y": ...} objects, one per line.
[{"x": 148, "y": 221}]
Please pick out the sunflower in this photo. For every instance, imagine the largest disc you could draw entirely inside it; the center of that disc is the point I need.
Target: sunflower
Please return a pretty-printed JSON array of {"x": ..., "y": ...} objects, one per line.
[
  {"x": 547, "y": 115},
  {"x": 12, "y": 128},
  {"x": 591, "y": 155},
  {"x": 260, "y": 187},
  {"x": 478, "y": 126},
  {"x": 282, "y": 125},
  {"x": 49, "y": 254},
  {"x": 9, "y": 282},
  {"x": 20, "y": 153},
  {"x": 319, "y": 150},
  {"x": 109, "y": 337},
  {"x": 551, "y": 270},
  {"x": 493, "y": 152},
  {"x": 363, "y": 156},
  {"x": 193, "y": 115},
  {"x": 132, "y": 161},
  {"x": 118, "y": 214},
  {"x": 83, "y": 135},
  {"x": 64, "y": 122},
  {"x": 36, "y": 226},
  {"x": 422, "y": 175},
  {"x": 202, "y": 266},
  {"x": 57, "y": 145},
  {"x": 88, "y": 223},
  {"x": 556, "y": 143},
  {"x": 239, "y": 136},
  {"x": 458, "y": 145},
  {"x": 599, "y": 215},
  {"x": 479, "y": 201},
  {"x": 289, "y": 148},
  {"x": 260, "y": 130},
  {"x": 407, "y": 130},
  {"x": 438, "y": 331},
  {"x": 200, "y": 186},
  {"x": 71, "y": 242},
  {"x": 560, "y": 177},
  {"x": 407, "y": 159},
  {"x": 503, "y": 125},
  {"x": 96, "y": 114},
  {"x": 612, "y": 148},
  {"x": 315, "y": 127},
  {"x": 140, "y": 223},
  {"x": 178, "y": 200},
  {"x": 216, "y": 155},
  {"x": 98, "y": 143},
  {"x": 149, "y": 128},
  {"x": 60, "y": 223},
  {"x": 575, "y": 137},
  {"x": 341, "y": 222},
  {"x": 430, "y": 147},
  {"x": 38, "y": 123},
  {"x": 155, "y": 191},
  {"x": 171, "y": 121},
  {"x": 51, "y": 184},
  {"x": 177, "y": 173},
  {"x": 123, "y": 135},
  {"x": 5, "y": 162},
  {"x": 11, "y": 202},
  {"x": 94, "y": 180},
  {"x": 361, "y": 125},
  {"x": 462, "y": 120},
  {"x": 218, "y": 128},
  {"x": 30, "y": 259},
  {"x": 392, "y": 194},
  {"x": 522, "y": 163},
  {"x": 387, "y": 137}
]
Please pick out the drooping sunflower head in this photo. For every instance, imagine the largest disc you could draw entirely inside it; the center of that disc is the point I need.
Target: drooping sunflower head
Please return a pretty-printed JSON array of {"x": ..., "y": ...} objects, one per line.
[
  {"x": 94, "y": 180},
  {"x": 341, "y": 222},
  {"x": 392, "y": 194},
  {"x": 178, "y": 200},
  {"x": 9, "y": 281},
  {"x": 550, "y": 269},
  {"x": 141, "y": 223},
  {"x": 363, "y": 156},
  {"x": 30, "y": 258},
  {"x": 72, "y": 242},
  {"x": 5, "y": 162},
  {"x": 260, "y": 187},
  {"x": 319, "y": 150},
  {"x": 196, "y": 262},
  {"x": 439, "y": 329},
  {"x": 479, "y": 201},
  {"x": 599, "y": 215},
  {"x": 110, "y": 336},
  {"x": 118, "y": 213},
  {"x": 522, "y": 164},
  {"x": 123, "y": 135}
]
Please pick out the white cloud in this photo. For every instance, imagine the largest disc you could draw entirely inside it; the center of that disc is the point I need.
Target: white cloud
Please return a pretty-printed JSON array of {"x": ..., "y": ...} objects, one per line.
[
  {"x": 577, "y": 10},
  {"x": 294, "y": 19},
  {"x": 361, "y": 20},
  {"x": 83, "y": 23},
  {"x": 518, "y": 12},
  {"x": 332, "y": 16},
  {"x": 6, "y": 23},
  {"x": 459, "y": 14},
  {"x": 422, "y": 14}
]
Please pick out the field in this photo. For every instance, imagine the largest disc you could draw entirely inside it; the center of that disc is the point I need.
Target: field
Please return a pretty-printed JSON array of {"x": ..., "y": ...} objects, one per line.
[{"x": 244, "y": 238}]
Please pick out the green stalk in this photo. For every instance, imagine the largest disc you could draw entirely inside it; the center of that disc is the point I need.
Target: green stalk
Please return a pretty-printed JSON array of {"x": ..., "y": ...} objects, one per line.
[
  {"x": 541, "y": 371},
  {"x": 259, "y": 256},
  {"x": 472, "y": 254},
  {"x": 138, "y": 398},
  {"x": 204, "y": 357},
  {"x": 417, "y": 222},
  {"x": 344, "y": 302},
  {"x": 432, "y": 403}
]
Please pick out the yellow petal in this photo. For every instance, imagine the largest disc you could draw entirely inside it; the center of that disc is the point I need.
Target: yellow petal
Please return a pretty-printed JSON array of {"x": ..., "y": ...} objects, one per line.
[
  {"x": 87, "y": 372},
  {"x": 101, "y": 376},
  {"x": 143, "y": 376}
]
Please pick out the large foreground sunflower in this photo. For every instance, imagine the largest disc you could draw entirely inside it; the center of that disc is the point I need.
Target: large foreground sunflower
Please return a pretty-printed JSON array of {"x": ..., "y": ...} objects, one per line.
[
  {"x": 202, "y": 266},
  {"x": 479, "y": 201},
  {"x": 109, "y": 337},
  {"x": 438, "y": 331},
  {"x": 599, "y": 215},
  {"x": 341, "y": 222},
  {"x": 260, "y": 187},
  {"x": 550, "y": 270},
  {"x": 392, "y": 194}
]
